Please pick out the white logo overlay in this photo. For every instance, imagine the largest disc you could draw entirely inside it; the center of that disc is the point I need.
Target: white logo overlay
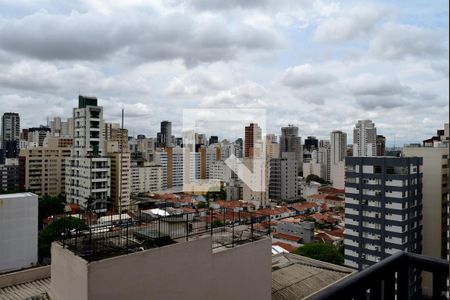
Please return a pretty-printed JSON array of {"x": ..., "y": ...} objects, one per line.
[{"x": 210, "y": 166}]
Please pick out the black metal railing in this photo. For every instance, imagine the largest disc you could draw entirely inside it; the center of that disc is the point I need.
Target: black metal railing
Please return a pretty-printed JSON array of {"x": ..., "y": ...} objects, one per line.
[
  {"x": 112, "y": 236},
  {"x": 390, "y": 279}
]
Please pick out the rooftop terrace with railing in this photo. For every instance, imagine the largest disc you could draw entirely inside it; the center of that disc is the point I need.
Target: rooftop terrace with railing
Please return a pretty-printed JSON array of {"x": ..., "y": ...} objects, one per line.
[{"x": 118, "y": 236}]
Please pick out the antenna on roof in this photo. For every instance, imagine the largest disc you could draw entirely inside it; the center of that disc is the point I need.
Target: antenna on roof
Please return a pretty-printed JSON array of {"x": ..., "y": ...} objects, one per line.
[{"x": 121, "y": 165}]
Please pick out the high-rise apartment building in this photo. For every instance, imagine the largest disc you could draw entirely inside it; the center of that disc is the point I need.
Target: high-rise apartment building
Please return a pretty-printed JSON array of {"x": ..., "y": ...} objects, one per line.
[
  {"x": 10, "y": 127},
  {"x": 9, "y": 175},
  {"x": 381, "y": 145},
  {"x": 172, "y": 161},
  {"x": 324, "y": 158},
  {"x": 253, "y": 135},
  {"x": 338, "y": 144},
  {"x": 61, "y": 128},
  {"x": 10, "y": 134},
  {"x": 147, "y": 147},
  {"x": 364, "y": 138},
  {"x": 214, "y": 139},
  {"x": 120, "y": 174},
  {"x": 164, "y": 137},
  {"x": 435, "y": 202},
  {"x": 44, "y": 168},
  {"x": 283, "y": 178},
  {"x": 148, "y": 177},
  {"x": 88, "y": 169},
  {"x": 338, "y": 152},
  {"x": 36, "y": 135},
  {"x": 383, "y": 201},
  {"x": 290, "y": 141},
  {"x": 311, "y": 143},
  {"x": 239, "y": 144},
  {"x": 272, "y": 147}
]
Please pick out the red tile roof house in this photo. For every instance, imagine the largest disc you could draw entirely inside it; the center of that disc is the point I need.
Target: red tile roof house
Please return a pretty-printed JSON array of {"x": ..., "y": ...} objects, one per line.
[
  {"x": 286, "y": 246},
  {"x": 329, "y": 199},
  {"x": 305, "y": 208},
  {"x": 277, "y": 212}
]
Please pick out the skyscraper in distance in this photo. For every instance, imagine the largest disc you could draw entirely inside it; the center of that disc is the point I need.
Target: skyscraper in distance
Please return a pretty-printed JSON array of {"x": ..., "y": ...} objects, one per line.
[
  {"x": 10, "y": 134},
  {"x": 338, "y": 152},
  {"x": 290, "y": 141},
  {"x": 164, "y": 137},
  {"x": 253, "y": 134},
  {"x": 311, "y": 143},
  {"x": 381, "y": 145},
  {"x": 10, "y": 126},
  {"x": 338, "y": 144},
  {"x": 364, "y": 138}
]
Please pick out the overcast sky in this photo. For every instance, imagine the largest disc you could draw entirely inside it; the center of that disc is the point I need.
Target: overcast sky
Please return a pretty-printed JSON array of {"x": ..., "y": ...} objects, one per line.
[{"x": 320, "y": 65}]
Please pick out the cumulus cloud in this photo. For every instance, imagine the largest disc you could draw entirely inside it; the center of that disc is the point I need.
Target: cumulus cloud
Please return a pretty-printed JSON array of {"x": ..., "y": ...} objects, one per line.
[
  {"x": 304, "y": 76},
  {"x": 47, "y": 78},
  {"x": 376, "y": 85},
  {"x": 229, "y": 4},
  {"x": 349, "y": 23},
  {"x": 90, "y": 36},
  {"x": 396, "y": 41},
  {"x": 249, "y": 95},
  {"x": 317, "y": 64}
]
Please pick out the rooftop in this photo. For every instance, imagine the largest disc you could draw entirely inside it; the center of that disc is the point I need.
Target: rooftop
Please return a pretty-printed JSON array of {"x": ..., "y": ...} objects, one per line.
[
  {"x": 293, "y": 277},
  {"x": 297, "y": 277},
  {"x": 36, "y": 290},
  {"x": 145, "y": 231}
]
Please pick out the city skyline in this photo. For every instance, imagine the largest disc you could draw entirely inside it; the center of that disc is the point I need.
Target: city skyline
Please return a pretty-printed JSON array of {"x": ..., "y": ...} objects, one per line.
[
  {"x": 318, "y": 65},
  {"x": 238, "y": 132}
]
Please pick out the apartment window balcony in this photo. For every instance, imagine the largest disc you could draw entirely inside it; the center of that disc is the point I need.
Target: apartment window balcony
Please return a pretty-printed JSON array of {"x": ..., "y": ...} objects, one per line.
[{"x": 389, "y": 279}]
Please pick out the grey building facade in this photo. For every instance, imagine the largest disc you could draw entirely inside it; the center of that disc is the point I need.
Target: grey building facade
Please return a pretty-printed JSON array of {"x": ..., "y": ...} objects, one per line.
[
  {"x": 290, "y": 141},
  {"x": 383, "y": 209},
  {"x": 164, "y": 137},
  {"x": 10, "y": 126},
  {"x": 304, "y": 230},
  {"x": 283, "y": 178}
]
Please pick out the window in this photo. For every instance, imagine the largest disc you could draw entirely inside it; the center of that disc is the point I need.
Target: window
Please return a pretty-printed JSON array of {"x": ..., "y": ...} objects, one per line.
[{"x": 377, "y": 169}]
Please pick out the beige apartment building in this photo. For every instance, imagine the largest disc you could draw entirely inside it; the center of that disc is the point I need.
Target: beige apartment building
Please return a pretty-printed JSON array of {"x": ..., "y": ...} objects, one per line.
[
  {"x": 120, "y": 174},
  {"x": 148, "y": 177},
  {"x": 435, "y": 202},
  {"x": 43, "y": 167}
]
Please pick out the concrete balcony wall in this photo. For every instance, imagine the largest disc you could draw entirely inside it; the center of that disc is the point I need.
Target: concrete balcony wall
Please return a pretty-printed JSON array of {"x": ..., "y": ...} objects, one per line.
[{"x": 187, "y": 270}]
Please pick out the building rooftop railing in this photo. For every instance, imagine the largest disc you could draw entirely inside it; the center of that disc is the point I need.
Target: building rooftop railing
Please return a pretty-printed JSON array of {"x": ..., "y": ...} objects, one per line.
[
  {"x": 143, "y": 231},
  {"x": 390, "y": 279}
]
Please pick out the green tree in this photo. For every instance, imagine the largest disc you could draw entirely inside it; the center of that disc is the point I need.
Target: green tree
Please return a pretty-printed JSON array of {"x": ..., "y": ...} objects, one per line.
[
  {"x": 312, "y": 177},
  {"x": 50, "y": 206},
  {"x": 324, "y": 252},
  {"x": 217, "y": 223},
  {"x": 57, "y": 230},
  {"x": 202, "y": 205},
  {"x": 221, "y": 195}
]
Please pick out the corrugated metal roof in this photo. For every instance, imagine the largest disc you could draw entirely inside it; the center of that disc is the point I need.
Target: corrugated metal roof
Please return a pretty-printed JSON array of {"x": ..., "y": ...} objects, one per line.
[
  {"x": 297, "y": 277},
  {"x": 36, "y": 290}
]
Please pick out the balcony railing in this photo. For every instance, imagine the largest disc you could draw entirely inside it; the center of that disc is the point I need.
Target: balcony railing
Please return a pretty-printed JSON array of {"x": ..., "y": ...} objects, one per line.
[
  {"x": 115, "y": 237},
  {"x": 389, "y": 279}
]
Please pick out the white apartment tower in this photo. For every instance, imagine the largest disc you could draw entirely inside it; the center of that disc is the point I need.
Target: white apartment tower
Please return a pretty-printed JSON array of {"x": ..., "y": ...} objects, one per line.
[
  {"x": 338, "y": 151},
  {"x": 338, "y": 143},
  {"x": 365, "y": 138},
  {"x": 87, "y": 169}
]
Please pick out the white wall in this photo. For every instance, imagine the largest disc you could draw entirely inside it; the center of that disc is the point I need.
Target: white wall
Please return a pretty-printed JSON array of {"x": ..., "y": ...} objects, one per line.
[
  {"x": 187, "y": 270},
  {"x": 18, "y": 231}
]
